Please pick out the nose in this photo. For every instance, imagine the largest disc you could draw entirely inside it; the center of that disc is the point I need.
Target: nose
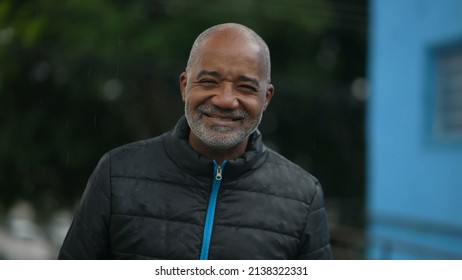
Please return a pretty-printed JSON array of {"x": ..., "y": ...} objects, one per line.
[{"x": 225, "y": 97}]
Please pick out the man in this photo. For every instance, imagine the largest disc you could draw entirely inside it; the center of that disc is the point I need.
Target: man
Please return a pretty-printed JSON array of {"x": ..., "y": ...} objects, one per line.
[{"x": 208, "y": 189}]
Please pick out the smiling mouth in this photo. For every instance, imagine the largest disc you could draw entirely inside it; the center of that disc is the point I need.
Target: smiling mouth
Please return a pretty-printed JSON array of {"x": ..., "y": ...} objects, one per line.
[{"x": 225, "y": 118}]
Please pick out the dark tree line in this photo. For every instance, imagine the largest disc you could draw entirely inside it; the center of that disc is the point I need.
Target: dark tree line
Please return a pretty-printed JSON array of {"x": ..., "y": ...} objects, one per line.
[{"x": 80, "y": 77}]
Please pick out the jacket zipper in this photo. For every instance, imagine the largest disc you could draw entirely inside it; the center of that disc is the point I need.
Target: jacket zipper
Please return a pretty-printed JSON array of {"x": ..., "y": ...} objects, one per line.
[{"x": 218, "y": 175}]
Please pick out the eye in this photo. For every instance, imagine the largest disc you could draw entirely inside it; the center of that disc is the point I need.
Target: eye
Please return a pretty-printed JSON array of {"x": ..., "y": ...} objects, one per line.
[
  {"x": 208, "y": 82},
  {"x": 248, "y": 88}
]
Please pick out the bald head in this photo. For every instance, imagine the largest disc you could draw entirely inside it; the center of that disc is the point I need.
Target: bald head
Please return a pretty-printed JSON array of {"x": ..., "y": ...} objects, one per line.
[{"x": 233, "y": 32}]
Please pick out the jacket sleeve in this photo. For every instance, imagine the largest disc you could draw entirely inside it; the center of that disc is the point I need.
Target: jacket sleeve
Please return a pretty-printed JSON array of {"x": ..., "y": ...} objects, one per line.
[
  {"x": 87, "y": 237},
  {"x": 315, "y": 240}
]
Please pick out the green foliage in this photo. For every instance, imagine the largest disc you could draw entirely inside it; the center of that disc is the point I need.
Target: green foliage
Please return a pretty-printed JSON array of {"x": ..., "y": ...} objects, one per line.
[{"x": 79, "y": 77}]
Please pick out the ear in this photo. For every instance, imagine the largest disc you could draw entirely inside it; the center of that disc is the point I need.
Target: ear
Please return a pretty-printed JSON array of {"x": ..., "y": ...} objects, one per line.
[
  {"x": 269, "y": 94},
  {"x": 183, "y": 83}
]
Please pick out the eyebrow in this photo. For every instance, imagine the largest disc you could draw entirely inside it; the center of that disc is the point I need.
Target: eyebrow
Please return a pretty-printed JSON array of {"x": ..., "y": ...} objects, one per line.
[
  {"x": 216, "y": 74},
  {"x": 244, "y": 78},
  {"x": 203, "y": 73}
]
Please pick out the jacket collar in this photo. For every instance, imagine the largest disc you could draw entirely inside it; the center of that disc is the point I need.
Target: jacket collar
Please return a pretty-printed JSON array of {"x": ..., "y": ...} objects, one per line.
[{"x": 184, "y": 156}]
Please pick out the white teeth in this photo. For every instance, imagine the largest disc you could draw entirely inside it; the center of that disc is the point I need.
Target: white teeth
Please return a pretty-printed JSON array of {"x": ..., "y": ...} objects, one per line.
[{"x": 224, "y": 118}]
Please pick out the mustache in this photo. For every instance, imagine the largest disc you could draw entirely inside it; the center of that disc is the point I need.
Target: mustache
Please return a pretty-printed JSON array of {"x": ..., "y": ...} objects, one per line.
[{"x": 208, "y": 109}]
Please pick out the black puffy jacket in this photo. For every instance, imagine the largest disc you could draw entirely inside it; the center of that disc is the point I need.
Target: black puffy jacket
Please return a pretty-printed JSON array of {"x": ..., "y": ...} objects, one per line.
[{"x": 159, "y": 199}]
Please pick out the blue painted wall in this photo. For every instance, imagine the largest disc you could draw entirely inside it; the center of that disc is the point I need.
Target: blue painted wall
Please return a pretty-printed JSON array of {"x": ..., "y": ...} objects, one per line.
[{"x": 414, "y": 179}]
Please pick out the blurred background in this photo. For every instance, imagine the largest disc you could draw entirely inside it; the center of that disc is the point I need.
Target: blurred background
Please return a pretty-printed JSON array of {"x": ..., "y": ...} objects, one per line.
[{"x": 359, "y": 92}]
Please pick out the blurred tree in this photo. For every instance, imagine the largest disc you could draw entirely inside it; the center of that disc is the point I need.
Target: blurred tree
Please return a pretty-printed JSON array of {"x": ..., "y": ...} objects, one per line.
[{"x": 79, "y": 77}]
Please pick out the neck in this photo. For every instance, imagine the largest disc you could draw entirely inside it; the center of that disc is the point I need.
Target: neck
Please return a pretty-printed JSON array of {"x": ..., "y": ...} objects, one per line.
[{"x": 219, "y": 155}]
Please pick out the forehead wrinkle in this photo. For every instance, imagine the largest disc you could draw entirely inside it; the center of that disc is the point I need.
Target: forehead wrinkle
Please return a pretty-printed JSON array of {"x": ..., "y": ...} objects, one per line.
[{"x": 217, "y": 74}]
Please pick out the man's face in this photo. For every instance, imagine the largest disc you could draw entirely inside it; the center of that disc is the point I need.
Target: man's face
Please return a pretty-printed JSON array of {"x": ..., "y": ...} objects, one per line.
[{"x": 225, "y": 91}]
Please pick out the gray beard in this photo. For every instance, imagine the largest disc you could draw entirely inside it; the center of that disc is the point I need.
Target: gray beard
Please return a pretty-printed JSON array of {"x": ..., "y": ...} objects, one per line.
[{"x": 220, "y": 137}]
